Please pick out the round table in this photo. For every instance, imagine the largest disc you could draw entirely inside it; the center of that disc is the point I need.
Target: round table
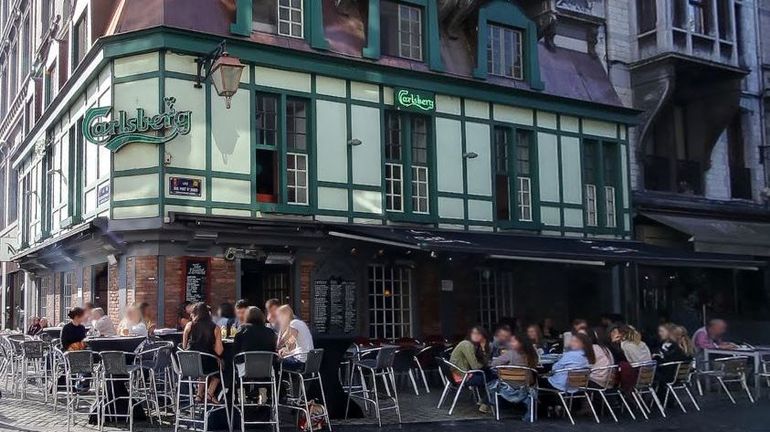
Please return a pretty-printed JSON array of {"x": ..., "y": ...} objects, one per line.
[{"x": 117, "y": 343}]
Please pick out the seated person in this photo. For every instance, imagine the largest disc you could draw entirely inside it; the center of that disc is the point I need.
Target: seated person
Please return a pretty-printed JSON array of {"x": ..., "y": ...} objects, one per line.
[
  {"x": 580, "y": 355},
  {"x": 676, "y": 347},
  {"x": 34, "y": 327},
  {"x": 253, "y": 335},
  {"x": 500, "y": 340},
  {"x": 102, "y": 323},
  {"x": 241, "y": 308},
  {"x": 202, "y": 334},
  {"x": 74, "y": 332},
  {"x": 535, "y": 334},
  {"x": 473, "y": 354},
  {"x": 294, "y": 339},
  {"x": 132, "y": 324},
  {"x": 520, "y": 352},
  {"x": 711, "y": 336}
]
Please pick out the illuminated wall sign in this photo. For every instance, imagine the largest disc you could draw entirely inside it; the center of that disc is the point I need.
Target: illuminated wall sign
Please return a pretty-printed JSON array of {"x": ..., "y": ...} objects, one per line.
[
  {"x": 142, "y": 128},
  {"x": 414, "y": 100}
]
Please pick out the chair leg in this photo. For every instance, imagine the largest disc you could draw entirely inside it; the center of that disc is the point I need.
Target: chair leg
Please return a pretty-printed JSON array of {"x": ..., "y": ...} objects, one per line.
[
  {"x": 637, "y": 397},
  {"x": 323, "y": 400},
  {"x": 607, "y": 404},
  {"x": 350, "y": 390},
  {"x": 724, "y": 386},
  {"x": 376, "y": 399},
  {"x": 746, "y": 388},
  {"x": 414, "y": 382},
  {"x": 424, "y": 378},
  {"x": 457, "y": 395},
  {"x": 625, "y": 404},
  {"x": 692, "y": 398},
  {"x": 591, "y": 405},
  {"x": 657, "y": 401},
  {"x": 497, "y": 406},
  {"x": 443, "y": 394},
  {"x": 566, "y": 408},
  {"x": 676, "y": 398}
]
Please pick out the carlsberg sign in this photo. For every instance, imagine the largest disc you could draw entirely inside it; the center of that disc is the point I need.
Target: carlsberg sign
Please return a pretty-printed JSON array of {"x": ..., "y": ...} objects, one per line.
[
  {"x": 414, "y": 100},
  {"x": 123, "y": 129}
]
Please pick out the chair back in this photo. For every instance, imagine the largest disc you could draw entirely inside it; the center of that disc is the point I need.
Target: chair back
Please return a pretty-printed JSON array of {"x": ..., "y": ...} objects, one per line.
[
  {"x": 732, "y": 367},
  {"x": 645, "y": 374},
  {"x": 78, "y": 362},
  {"x": 313, "y": 361},
  {"x": 16, "y": 346},
  {"x": 256, "y": 364},
  {"x": 114, "y": 363},
  {"x": 607, "y": 377},
  {"x": 684, "y": 371},
  {"x": 33, "y": 349},
  {"x": 385, "y": 357},
  {"x": 578, "y": 379},
  {"x": 190, "y": 363},
  {"x": 517, "y": 376},
  {"x": 403, "y": 360},
  {"x": 427, "y": 356}
]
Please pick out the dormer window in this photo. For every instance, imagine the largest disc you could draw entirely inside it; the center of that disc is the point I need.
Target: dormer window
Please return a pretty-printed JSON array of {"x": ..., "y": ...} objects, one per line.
[
  {"x": 504, "y": 52},
  {"x": 401, "y": 30},
  {"x": 283, "y": 17}
]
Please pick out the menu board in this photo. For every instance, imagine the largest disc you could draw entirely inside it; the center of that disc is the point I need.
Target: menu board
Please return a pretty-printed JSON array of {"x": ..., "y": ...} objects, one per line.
[
  {"x": 196, "y": 272},
  {"x": 334, "y": 306}
]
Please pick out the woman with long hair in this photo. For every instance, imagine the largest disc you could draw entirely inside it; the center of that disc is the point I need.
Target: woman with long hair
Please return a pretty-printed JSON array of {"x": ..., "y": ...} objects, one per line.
[
  {"x": 676, "y": 347},
  {"x": 201, "y": 334},
  {"x": 74, "y": 332},
  {"x": 604, "y": 358},
  {"x": 635, "y": 350},
  {"x": 521, "y": 352},
  {"x": 580, "y": 355},
  {"x": 535, "y": 334},
  {"x": 473, "y": 354}
]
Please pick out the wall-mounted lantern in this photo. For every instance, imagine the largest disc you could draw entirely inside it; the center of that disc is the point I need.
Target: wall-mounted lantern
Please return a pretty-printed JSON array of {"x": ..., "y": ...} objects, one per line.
[{"x": 225, "y": 72}]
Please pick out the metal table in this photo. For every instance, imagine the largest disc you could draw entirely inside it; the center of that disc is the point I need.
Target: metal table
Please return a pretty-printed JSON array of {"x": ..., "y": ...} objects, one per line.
[{"x": 756, "y": 353}]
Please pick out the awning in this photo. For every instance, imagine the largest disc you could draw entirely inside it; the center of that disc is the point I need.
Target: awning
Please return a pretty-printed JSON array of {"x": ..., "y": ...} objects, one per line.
[
  {"x": 506, "y": 246},
  {"x": 719, "y": 235}
]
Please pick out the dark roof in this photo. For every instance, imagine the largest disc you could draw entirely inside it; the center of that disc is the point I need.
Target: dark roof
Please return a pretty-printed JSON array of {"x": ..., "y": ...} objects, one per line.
[{"x": 566, "y": 73}]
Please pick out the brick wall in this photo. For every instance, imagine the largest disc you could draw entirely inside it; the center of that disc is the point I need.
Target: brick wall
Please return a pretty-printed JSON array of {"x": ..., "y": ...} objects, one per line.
[
  {"x": 222, "y": 281},
  {"x": 305, "y": 272},
  {"x": 144, "y": 287},
  {"x": 87, "y": 284},
  {"x": 113, "y": 299},
  {"x": 173, "y": 288}
]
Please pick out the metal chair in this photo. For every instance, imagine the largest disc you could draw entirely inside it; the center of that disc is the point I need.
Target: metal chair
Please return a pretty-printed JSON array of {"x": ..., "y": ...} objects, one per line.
[
  {"x": 154, "y": 362},
  {"x": 576, "y": 388},
  {"x": 645, "y": 384},
  {"x": 522, "y": 378},
  {"x": 730, "y": 370},
  {"x": 255, "y": 368},
  {"x": 680, "y": 380},
  {"x": 116, "y": 370},
  {"x": 16, "y": 355},
  {"x": 765, "y": 370},
  {"x": 607, "y": 383},
  {"x": 457, "y": 379},
  {"x": 191, "y": 373},
  {"x": 310, "y": 373},
  {"x": 33, "y": 366},
  {"x": 426, "y": 361},
  {"x": 81, "y": 385},
  {"x": 379, "y": 367},
  {"x": 405, "y": 363}
]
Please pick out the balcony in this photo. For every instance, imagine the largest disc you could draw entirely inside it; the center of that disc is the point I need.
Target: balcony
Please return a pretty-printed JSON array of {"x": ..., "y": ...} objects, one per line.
[
  {"x": 700, "y": 29},
  {"x": 680, "y": 176}
]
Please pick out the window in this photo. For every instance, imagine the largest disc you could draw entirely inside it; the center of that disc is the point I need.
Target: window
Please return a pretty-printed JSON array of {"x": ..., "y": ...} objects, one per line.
[
  {"x": 58, "y": 191},
  {"x": 3, "y": 188},
  {"x": 495, "y": 296},
  {"x": 589, "y": 182},
  {"x": 290, "y": 18},
  {"x": 26, "y": 47},
  {"x": 610, "y": 164},
  {"x": 264, "y": 16},
  {"x": 13, "y": 192},
  {"x": 30, "y": 201},
  {"x": 44, "y": 286},
  {"x": 96, "y": 170},
  {"x": 13, "y": 73},
  {"x": 276, "y": 285},
  {"x": 513, "y": 175},
  {"x": 504, "y": 52},
  {"x": 646, "y": 16},
  {"x": 275, "y": 157},
  {"x": 50, "y": 85},
  {"x": 79, "y": 41},
  {"x": 68, "y": 280},
  {"x": 401, "y": 30},
  {"x": 390, "y": 303},
  {"x": 700, "y": 16},
  {"x": 407, "y": 156},
  {"x": 601, "y": 178}
]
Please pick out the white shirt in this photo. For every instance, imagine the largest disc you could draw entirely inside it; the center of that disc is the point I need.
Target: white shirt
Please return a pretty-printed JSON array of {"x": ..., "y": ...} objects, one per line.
[
  {"x": 104, "y": 326},
  {"x": 138, "y": 329},
  {"x": 304, "y": 340}
]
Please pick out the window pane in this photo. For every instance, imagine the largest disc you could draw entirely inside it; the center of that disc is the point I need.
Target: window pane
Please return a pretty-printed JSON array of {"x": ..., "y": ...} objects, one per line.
[
  {"x": 290, "y": 20},
  {"x": 504, "y": 52},
  {"x": 267, "y": 119},
  {"x": 401, "y": 34}
]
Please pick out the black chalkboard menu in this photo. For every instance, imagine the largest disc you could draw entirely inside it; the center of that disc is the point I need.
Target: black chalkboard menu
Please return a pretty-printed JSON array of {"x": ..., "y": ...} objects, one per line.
[
  {"x": 196, "y": 272},
  {"x": 334, "y": 306}
]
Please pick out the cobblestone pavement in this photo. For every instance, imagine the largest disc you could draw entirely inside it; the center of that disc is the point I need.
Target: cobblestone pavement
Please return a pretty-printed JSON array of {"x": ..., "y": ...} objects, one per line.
[{"x": 717, "y": 416}]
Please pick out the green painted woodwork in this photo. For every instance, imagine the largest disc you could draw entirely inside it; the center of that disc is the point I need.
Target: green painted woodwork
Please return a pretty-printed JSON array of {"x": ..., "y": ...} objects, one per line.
[
  {"x": 312, "y": 22},
  {"x": 431, "y": 42},
  {"x": 502, "y": 12}
]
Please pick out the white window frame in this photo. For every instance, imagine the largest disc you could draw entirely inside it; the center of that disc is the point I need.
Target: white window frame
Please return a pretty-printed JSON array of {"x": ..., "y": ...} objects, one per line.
[
  {"x": 58, "y": 176},
  {"x": 420, "y": 203},
  {"x": 285, "y": 6},
  {"x": 409, "y": 11},
  {"x": 67, "y": 283},
  {"x": 299, "y": 173},
  {"x": 524, "y": 201},
  {"x": 590, "y": 203},
  {"x": 394, "y": 186},
  {"x": 505, "y": 52},
  {"x": 395, "y": 282},
  {"x": 495, "y": 296},
  {"x": 610, "y": 207}
]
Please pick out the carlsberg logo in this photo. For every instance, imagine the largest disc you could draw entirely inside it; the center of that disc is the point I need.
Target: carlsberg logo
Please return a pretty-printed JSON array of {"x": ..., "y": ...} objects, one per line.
[
  {"x": 408, "y": 99},
  {"x": 122, "y": 130}
]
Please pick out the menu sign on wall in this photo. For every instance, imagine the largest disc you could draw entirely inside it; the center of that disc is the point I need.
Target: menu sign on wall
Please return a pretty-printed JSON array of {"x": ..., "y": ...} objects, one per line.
[
  {"x": 334, "y": 306},
  {"x": 196, "y": 273}
]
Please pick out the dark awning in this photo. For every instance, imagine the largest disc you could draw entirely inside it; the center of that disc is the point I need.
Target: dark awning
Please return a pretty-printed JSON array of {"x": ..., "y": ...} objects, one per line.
[
  {"x": 719, "y": 235},
  {"x": 496, "y": 245}
]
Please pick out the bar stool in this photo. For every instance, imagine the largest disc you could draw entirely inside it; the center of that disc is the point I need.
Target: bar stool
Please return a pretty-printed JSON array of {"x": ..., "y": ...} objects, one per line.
[
  {"x": 115, "y": 369},
  {"x": 310, "y": 373},
  {"x": 78, "y": 373},
  {"x": 379, "y": 367},
  {"x": 154, "y": 362},
  {"x": 191, "y": 373},
  {"x": 33, "y": 366},
  {"x": 255, "y": 368}
]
